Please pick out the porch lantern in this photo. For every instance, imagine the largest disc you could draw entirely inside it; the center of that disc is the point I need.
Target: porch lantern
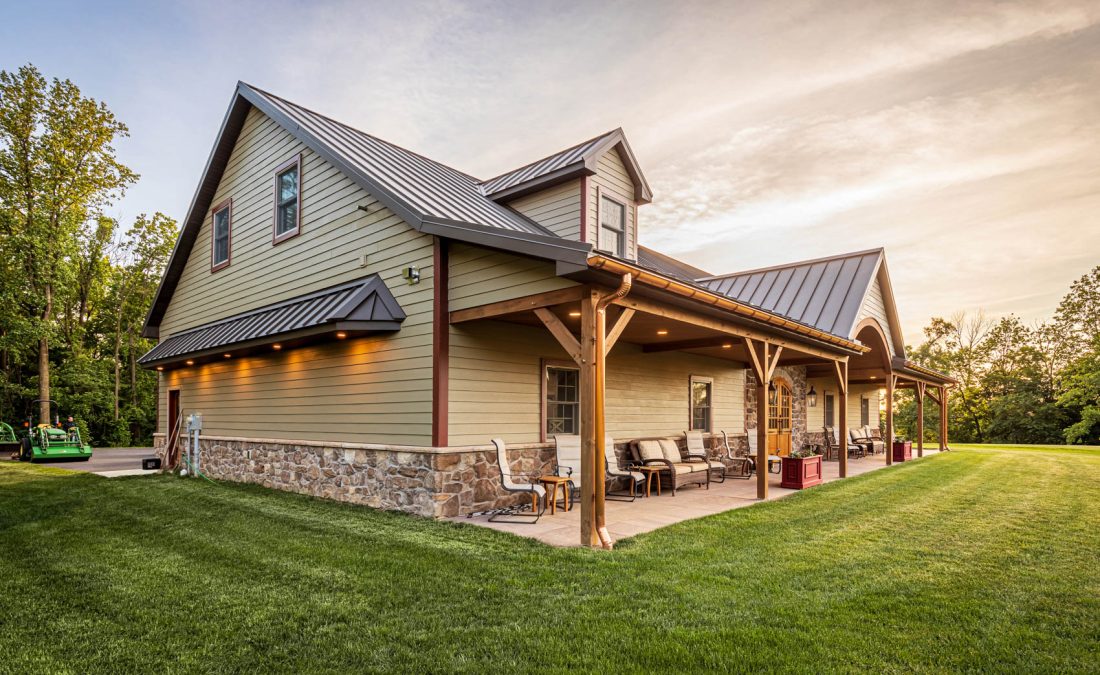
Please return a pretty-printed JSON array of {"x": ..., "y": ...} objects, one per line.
[
  {"x": 771, "y": 393},
  {"x": 811, "y": 398}
]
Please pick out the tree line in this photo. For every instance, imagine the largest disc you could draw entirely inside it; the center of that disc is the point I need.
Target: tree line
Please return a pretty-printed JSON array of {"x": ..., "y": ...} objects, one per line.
[
  {"x": 1036, "y": 384},
  {"x": 75, "y": 284}
]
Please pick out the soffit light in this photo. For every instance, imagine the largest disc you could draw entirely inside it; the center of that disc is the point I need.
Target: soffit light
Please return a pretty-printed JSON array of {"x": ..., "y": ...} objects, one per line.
[
  {"x": 662, "y": 332},
  {"x": 574, "y": 314},
  {"x": 341, "y": 335},
  {"x": 190, "y": 362},
  {"x": 276, "y": 346}
]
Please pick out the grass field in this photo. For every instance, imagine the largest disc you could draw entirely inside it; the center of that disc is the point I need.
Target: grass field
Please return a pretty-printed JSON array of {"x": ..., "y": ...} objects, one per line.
[{"x": 979, "y": 559}]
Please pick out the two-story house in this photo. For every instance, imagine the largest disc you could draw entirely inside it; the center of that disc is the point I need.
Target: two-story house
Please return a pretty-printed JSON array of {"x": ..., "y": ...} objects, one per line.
[{"x": 355, "y": 320}]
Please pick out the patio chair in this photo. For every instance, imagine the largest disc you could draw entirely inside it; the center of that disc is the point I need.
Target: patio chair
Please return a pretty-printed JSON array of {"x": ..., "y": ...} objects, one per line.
[
  {"x": 515, "y": 513},
  {"x": 832, "y": 446},
  {"x": 739, "y": 465},
  {"x": 635, "y": 479},
  {"x": 773, "y": 460},
  {"x": 666, "y": 452},
  {"x": 877, "y": 443},
  {"x": 567, "y": 448},
  {"x": 697, "y": 451}
]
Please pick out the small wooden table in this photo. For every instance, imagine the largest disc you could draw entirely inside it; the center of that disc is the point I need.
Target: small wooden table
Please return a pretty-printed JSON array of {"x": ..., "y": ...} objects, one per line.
[
  {"x": 651, "y": 470},
  {"x": 551, "y": 483}
]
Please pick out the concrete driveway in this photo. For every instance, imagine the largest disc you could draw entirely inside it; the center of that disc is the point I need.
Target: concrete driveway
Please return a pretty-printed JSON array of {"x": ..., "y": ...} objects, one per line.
[{"x": 109, "y": 462}]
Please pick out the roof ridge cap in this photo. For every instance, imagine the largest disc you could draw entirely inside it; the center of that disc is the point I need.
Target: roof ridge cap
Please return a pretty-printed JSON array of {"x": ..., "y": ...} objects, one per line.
[{"x": 797, "y": 263}]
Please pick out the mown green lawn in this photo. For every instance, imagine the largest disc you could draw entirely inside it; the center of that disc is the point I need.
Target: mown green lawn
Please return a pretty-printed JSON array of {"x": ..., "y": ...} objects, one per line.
[{"x": 980, "y": 559}]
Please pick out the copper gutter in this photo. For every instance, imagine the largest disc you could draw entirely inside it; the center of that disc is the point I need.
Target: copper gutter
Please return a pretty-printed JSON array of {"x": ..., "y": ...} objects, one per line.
[{"x": 618, "y": 267}]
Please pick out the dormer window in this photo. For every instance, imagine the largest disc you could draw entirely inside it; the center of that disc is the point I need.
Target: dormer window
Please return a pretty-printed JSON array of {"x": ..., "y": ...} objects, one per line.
[
  {"x": 612, "y": 227},
  {"x": 220, "y": 235},
  {"x": 288, "y": 192}
]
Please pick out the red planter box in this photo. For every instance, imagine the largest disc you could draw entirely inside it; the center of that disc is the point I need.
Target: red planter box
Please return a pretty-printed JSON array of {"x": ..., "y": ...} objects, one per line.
[
  {"x": 903, "y": 451},
  {"x": 801, "y": 473}
]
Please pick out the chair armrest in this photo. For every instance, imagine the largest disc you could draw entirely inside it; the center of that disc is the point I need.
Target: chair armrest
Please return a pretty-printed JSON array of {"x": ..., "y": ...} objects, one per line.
[
  {"x": 696, "y": 458},
  {"x": 558, "y": 471}
]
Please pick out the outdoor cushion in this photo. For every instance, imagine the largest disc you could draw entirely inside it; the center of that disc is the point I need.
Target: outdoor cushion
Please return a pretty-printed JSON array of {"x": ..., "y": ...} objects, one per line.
[
  {"x": 649, "y": 450},
  {"x": 687, "y": 468},
  {"x": 671, "y": 450}
]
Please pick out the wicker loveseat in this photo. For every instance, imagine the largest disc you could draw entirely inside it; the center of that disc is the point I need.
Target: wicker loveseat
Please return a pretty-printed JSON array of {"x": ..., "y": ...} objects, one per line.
[
  {"x": 666, "y": 451},
  {"x": 869, "y": 437}
]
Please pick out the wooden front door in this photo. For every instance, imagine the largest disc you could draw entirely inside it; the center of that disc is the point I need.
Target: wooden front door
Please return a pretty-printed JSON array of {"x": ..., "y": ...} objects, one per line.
[
  {"x": 779, "y": 421},
  {"x": 174, "y": 424}
]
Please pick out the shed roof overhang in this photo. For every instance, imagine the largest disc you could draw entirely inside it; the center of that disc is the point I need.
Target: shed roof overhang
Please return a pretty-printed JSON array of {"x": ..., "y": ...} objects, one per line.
[{"x": 358, "y": 308}]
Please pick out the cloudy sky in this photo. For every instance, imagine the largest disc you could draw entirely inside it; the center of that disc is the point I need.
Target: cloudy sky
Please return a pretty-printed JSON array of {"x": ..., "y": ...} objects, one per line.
[{"x": 962, "y": 136}]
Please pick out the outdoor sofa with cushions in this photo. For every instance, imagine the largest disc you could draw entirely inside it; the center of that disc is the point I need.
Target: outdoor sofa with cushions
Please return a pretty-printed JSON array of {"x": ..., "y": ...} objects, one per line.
[
  {"x": 866, "y": 437},
  {"x": 666, "y": 452}
]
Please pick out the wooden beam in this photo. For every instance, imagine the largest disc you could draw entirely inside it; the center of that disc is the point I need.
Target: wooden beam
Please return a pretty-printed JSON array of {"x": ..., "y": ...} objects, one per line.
[
  {"x": 617, "y": 330},
  {"x": 842, "y": 425},
  {"x": 890, "y": 382},
  {"x": 727, "y": 327},
  {"x": 563, "y": 335},
  {"x": 943, "y": 419},
  {"x": 806, "y": 362},
  {"x": 762, "y": 437},
  {"x": 441, "y": 341},
  {"x": 774, "y": 362},
  {"x": 756, "y": 363},
  {"x": 524, "y": 304},
  {"x": 588, "y": 383},
  {"x": 920, "y": 419},
  {"x": 841, "y": 376}
]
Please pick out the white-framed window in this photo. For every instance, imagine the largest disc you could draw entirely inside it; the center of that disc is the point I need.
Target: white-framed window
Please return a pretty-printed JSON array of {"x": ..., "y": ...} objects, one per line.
[
  {"x": 288, "y": 199},
  {"x": 562, "y": 400},
  {"x": 830, "y": 410},
  {"x": 221, "y": 235},
  {"x": 612, "y": 238},
  {"x": 702, "y": 403},
  {"x": 864, "y": 411}
]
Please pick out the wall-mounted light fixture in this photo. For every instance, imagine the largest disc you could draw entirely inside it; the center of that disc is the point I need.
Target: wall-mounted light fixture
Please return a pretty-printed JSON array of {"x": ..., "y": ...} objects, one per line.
[
  {"x": 411, "y": 275},
  {"x": 771, "y": 393},
  {"x": 811, "y": 398}
]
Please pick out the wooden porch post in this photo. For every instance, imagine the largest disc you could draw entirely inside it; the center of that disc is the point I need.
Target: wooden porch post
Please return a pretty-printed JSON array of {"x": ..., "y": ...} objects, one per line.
[
  {"x": 920, "y": 419},
  {"x": 763, "y": 362},
  {"x": 943, "y": 418},
  {"x": 588, "y": 384},
  {"x": 842, "y": 426},
  {"x": 891, "y": 380}
]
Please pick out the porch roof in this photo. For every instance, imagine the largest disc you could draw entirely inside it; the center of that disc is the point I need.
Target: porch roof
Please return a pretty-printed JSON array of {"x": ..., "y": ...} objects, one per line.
[{"x": 359, "y": 307}]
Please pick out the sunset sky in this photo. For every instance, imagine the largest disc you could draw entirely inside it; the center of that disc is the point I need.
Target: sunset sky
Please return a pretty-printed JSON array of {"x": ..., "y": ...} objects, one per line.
[{"x": 962, "y": 136}]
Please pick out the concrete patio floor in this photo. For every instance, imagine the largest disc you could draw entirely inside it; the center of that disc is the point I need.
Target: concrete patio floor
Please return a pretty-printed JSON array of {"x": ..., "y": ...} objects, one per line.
[{"x": 626, "y": 519}]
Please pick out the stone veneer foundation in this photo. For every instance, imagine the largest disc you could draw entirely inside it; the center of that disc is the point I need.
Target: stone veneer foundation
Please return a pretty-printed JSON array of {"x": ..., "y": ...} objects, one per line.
[{"x": 429, "y": 482}]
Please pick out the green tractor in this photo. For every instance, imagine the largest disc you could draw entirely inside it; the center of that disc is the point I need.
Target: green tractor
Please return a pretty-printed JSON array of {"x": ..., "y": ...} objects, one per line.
[
  {"x": 9, "y": 442},
  {"x": 47, "y": 442}
]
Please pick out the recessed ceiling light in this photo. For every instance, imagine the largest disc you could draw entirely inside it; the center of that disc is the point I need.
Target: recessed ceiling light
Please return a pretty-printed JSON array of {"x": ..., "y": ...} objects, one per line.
[
  {"x": 190, "y": 362},
  {"x": 227, "y": 355},
  {"x": 662, "y": 332},
  {"x": 160, "y": 367},
  {"x": 874, "y": 377},
  {"x": 341, "y": 335},
  {"x": 574, "y": 314},
  {"x": 727, "y": 346},
  {"x": 276, "y": 346}
]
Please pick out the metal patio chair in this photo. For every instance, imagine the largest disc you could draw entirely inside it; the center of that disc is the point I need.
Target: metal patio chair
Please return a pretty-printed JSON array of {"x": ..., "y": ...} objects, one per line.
[
  {"x": 515, "y": 513},
  {"x": 697, "y": 451},
  {"x": 739, "y": 465}
]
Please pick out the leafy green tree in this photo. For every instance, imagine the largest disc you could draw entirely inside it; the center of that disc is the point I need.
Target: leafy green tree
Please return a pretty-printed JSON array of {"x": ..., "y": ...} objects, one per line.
[{"x": 57, "y": 170}]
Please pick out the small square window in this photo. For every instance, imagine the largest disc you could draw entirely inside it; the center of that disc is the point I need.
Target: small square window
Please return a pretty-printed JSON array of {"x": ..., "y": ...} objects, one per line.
[
  {"x": 221, "y": 235},
  {"x": 288, "y": 193}
]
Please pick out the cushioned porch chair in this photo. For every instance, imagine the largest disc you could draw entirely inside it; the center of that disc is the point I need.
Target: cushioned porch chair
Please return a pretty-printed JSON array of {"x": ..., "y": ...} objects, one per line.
[
  {"x": 635, "y": 479},
  {"x": 739, "y": 465},
  {"x": 697, "y": 451},
  {"x": 832, "y": 446},
  {"x": 666, "y": 452},
  {"x": 515, "y": 513}
]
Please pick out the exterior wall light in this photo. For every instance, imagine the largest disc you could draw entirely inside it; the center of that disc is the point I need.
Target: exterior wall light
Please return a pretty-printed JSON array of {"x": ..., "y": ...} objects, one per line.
[
  {"x": 771, "y": 393},
  {"x": 811, "y": 398},
  {"x": 411, "y": 275}
]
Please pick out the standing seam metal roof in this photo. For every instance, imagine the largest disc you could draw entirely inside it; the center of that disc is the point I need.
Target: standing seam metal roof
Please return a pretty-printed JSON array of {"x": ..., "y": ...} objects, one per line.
[
  {"x": 826, "y": 293},
  {"x": 558, "y": 160},
  {"x": 368, "y": 302},
  {"x": 429, "y": 188}
]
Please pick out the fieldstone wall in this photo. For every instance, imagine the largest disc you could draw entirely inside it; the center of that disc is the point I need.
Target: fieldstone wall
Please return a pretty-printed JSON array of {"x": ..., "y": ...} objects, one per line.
[
  {"x": 796, "y": 377},
  {"x": 429, "y": 482}
]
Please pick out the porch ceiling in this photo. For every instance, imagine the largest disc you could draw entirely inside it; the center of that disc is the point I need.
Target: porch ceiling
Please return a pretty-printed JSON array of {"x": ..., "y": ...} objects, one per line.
[{"x": 656, "y": 333}]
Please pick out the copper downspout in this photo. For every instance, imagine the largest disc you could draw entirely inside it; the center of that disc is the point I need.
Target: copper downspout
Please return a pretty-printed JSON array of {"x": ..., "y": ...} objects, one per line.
[{"x": 598, "y": 470}]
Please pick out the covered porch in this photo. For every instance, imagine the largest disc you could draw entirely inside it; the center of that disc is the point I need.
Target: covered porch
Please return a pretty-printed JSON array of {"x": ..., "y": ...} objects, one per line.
[{"x": 626, "y": 519}]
